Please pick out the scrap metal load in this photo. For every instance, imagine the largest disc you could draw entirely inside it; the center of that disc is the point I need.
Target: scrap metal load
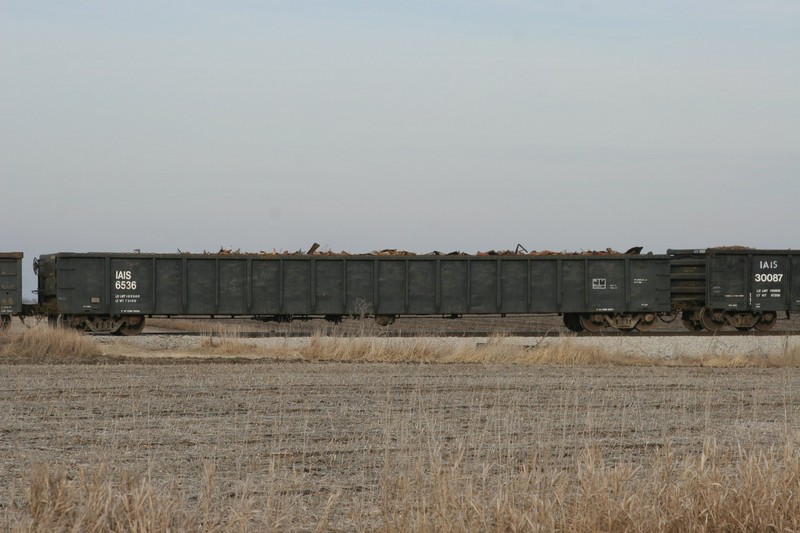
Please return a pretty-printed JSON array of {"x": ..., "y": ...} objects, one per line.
[{"x": 520, "y": 250}]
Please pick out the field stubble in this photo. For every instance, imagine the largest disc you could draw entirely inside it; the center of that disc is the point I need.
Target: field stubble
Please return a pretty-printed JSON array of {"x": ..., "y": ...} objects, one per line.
[{"x": 281, "y": 445}]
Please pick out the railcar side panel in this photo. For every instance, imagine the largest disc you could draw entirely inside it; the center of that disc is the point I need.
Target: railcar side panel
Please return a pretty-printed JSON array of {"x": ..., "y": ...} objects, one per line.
[
  {"x": 753, "y": 280},
  {"x": 572, "y": 286},
  {"x": 614, "y": 285},
  {"x": 82, "y": 286},
  {"x": 727, "y": 281},
  {"x": 233, "y": 287},
  {"x": 794, "y": 272},
  {"x": 296, "y": 288},
  {"x": 201, "y": 283},
  {"x": 168, "y": 291},
  {"x": 482, "y": 286},
  {"x": 545, "y": 286},
  {"x": 360, "y": 286},
  {"x": 453, "y": 285},
  {"x": 422, "y": 287},
  {"x": 391, "y": 287},
  {"x": 513, "y": 286},
  {"x": 266, "y": 287},
  {"x": 606, "y": 285},
  {"x": 130, "y": 285},
  {"x": 768, "y": 284},
  {"x": 648, "y": 285},
  {"x": 329, "y": 289}
]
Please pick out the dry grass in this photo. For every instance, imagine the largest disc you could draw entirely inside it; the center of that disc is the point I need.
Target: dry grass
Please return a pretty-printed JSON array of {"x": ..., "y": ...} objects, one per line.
[
  {"x": 586, "y": 441},
  {"x": 386, "y": 350},
  {"x": 48, "y": 345},
  {"x": 43, "y": 344},
  {"x": 398, "y": 447},
  {"x": 98, "y": 500},
  {"x": 441, "y": 490},
  {"x": 711, "y": 491},
  {"x": 562, "y": 351},
  {"x": 102, "y": 499}
]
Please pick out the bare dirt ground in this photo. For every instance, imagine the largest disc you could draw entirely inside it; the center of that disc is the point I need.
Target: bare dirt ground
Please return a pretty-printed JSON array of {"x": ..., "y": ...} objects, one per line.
[
  {"x": 330, "y": 438},
  {"x": 347, "y": 446}
]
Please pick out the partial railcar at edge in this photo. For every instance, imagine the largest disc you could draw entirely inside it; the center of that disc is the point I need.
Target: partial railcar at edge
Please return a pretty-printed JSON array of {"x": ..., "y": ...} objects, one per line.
[
  {"x": 10, "y": 286},
  {"x": 740, "y": 288}
]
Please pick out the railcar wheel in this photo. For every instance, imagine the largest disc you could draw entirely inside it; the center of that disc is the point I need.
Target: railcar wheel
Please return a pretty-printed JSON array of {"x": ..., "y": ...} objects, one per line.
[
  {"x": 711, "y": 322},
  {"x": 572, "y": 321},
  {"x": 647, "y": 322},
  {"x": 133, "y": 326},
  {"x": 766, "y": 322},
  {"x": 667, "y": 318},
  {"x": 590, "y": 325}
]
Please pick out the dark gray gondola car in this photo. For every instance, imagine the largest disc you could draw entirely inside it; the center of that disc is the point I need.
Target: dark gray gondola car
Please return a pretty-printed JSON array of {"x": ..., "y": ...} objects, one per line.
[
  {"x": 114, "y": 292},
  {"x": 740, "y": 288},
  {"x": 10, "y": 286}
]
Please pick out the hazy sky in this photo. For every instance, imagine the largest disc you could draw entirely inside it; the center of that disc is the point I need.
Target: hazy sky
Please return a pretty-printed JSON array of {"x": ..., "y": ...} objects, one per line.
[{"x": 421, "y": 125}]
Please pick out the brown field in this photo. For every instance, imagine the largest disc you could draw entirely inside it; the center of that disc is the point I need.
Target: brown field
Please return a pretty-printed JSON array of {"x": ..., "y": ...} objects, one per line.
[{"x": 317, "y": 446}]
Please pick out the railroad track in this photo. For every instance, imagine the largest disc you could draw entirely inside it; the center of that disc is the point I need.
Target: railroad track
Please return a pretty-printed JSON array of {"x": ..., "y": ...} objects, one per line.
[{"x": 473, "y": 333}]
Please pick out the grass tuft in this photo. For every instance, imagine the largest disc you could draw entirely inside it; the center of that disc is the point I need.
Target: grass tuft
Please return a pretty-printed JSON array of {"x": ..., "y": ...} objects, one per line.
[{"x": 48, "y": 345}]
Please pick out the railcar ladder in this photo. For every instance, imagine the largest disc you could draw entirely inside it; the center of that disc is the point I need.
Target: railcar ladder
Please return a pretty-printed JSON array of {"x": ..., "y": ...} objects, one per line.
[{"x": 688, "y": 274}]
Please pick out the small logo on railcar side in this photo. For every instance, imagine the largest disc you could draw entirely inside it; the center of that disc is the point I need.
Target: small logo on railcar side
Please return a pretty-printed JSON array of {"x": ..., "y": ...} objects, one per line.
[{"x": 599, "y": 283}]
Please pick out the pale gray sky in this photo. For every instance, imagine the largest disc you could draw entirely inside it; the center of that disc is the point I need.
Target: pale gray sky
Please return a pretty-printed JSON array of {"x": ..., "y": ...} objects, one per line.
[{"x": 422, "y": 125}]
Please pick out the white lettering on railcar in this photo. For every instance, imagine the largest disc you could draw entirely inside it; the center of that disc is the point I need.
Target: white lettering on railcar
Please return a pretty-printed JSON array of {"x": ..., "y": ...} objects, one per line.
[
  {"x": 126, "y": 298},
  {"x": 124, "y": 280},
  {"x": 769, "y": 293},
  {"x": 599, "y": 283},
  {"x": 769, "y": 278}
]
